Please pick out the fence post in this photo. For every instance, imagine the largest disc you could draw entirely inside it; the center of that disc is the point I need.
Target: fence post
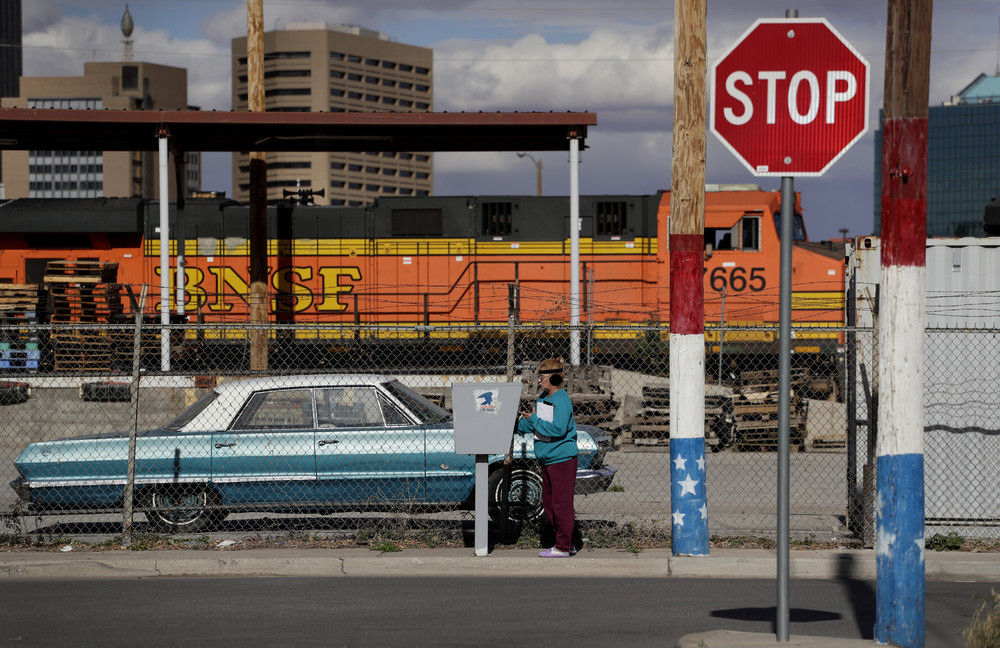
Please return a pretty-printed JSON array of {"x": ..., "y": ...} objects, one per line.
[{"x": 127, "y": 502}]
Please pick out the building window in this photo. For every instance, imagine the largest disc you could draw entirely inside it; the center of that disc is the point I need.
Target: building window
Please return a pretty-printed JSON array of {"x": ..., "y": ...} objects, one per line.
[
  {"x": 497, "y": 218},
  {"x": 276, "y": 56},
  {"x": 389, "y": 65},
  {"x": 336, "y": 56},
  {"x": 423, "y": 70},
  {"x": 130, "y": 77},
  {"x": 287, "y": 92},
  {"x": 272, "y": 74}
]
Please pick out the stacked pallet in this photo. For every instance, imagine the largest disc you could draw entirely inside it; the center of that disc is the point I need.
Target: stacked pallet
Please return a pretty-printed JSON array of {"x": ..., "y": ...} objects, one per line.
[
  {"x": 649, "y": 423},
  {"x": 756, "y": 412},
  {"x": 19, "y": 309},
  {"x": 83, "y": 292}
]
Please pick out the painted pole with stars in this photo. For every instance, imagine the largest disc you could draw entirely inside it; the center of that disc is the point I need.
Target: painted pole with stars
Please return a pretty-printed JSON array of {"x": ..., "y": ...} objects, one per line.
[
  {"x": 688, "y": 501},
  {"x": 899, "y": 558}
]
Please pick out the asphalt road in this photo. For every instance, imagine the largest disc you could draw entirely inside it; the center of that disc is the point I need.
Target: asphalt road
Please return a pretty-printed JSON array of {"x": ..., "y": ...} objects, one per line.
[{"x": 466, "y": 611}]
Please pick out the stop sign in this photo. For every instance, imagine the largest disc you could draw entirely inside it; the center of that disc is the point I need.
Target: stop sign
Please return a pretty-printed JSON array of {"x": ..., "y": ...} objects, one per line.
[{"x": 790, "y": 97}]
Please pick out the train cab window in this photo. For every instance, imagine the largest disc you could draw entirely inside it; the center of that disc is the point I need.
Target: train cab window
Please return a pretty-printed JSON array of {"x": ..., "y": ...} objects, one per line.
[
  {"x": 610, "y": 218},
  {"x": 417, "y": 222},
  {"x": 750, "y": 233},
  {"x": 798, "y": 226},
  {"x": 498, "y": 218},
  {"x": 721, "y": 238}
]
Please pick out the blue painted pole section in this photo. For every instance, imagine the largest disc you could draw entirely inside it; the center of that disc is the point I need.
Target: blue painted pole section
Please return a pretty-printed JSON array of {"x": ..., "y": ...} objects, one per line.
[
  {"x": 688, "y": 497},
  {"x": 900, "y": 550}
]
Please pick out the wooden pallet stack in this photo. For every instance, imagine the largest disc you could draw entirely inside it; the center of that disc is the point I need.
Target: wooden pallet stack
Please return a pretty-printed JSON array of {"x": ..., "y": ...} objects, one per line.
[
  {"x": 755, "y": 409},
  {"x": 83, "y": 292},
  {"x": 20, "y": 305},
  {"x": 649, "y": 424}
]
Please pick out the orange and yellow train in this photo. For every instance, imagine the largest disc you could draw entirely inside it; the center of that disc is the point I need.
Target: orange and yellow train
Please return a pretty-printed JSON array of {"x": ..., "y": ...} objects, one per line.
[{"x": 446, "y": 263}]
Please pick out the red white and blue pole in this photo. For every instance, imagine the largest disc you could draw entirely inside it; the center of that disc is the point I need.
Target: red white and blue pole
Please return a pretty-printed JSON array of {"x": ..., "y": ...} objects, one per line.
[
  {"x": 900, "y": 587},
  {"x": 688, "y": 497}
]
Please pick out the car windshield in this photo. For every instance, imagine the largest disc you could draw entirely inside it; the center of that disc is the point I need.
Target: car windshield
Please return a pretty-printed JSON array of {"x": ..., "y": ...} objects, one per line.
[
  {"x": 424, "y": 409},
  {"x": 185, "y": 417}
]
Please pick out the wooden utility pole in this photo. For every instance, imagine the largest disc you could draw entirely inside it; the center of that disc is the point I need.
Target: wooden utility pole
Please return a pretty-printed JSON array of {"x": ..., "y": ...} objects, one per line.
[
  {"x": 258, "y": 192},
  {"x": 687, "y": 312},
  {"x": 899, "y": 557}
]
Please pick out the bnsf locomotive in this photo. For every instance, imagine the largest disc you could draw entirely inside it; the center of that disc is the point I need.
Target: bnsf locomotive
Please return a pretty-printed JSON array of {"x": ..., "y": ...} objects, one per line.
[{"x": 447, "y": 262}]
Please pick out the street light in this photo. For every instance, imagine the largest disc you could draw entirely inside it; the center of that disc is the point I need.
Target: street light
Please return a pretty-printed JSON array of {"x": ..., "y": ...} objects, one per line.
[{"x": 538, "y": 169}]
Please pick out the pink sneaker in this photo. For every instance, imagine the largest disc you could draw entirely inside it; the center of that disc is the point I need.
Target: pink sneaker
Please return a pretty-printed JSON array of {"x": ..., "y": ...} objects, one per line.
[{"x": 554, "y": 553}]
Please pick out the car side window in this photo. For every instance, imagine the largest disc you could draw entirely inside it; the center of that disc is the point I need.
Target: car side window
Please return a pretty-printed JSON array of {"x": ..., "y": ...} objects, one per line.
[
  {"x": 276, "y": 410},
  {"x": 348, "y": 407},
  {"x": 393, "y": 415}
]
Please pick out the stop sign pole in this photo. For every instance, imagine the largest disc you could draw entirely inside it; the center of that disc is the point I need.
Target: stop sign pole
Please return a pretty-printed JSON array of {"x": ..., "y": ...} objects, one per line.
[{"x": 788, "y": 98}]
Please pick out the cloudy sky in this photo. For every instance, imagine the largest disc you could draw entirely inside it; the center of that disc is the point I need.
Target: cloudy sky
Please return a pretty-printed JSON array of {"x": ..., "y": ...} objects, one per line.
[{"x": 611, "y": 58}]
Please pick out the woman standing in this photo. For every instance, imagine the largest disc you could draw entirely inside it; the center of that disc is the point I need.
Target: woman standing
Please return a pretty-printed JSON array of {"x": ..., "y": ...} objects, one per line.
[{"x": 552, "y": 424}]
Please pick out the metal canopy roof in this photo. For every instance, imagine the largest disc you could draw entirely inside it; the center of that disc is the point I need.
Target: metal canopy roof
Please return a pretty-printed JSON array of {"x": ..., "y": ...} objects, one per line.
[{"x": 191, "y": 130}]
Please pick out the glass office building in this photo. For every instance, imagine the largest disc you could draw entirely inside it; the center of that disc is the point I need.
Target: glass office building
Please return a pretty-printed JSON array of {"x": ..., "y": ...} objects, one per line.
[{"x": 963, "y": 160}]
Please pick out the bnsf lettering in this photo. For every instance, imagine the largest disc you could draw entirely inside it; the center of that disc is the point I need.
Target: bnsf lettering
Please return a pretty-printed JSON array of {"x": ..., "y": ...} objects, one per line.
[
  {"x": 294, "y": 294},
  {"x": 736, "y": 279}
]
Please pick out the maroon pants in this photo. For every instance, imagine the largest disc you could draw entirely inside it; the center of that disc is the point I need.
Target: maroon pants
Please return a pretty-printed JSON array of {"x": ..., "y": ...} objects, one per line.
[{"x": 558, "y": 486}]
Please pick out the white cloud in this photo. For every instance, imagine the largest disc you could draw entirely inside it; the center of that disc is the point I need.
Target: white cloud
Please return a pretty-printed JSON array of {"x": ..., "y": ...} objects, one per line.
[
  {"x": 61, "y": 46},
  {"x": 619, "y": 67}
]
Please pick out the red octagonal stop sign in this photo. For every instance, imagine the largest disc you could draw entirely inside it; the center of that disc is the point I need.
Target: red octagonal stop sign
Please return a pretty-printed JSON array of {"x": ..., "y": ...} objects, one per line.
[{"x": 790, "y": 97}]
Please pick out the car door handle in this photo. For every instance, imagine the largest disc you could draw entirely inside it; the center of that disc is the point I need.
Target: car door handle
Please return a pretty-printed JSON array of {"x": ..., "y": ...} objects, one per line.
[
  {"x": 324, "y": 442},
  {"x": 224, "y": 445}
]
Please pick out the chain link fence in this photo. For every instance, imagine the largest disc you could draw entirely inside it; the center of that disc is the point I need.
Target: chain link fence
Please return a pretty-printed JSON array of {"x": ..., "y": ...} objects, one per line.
[{"x": 315, "y": 443}]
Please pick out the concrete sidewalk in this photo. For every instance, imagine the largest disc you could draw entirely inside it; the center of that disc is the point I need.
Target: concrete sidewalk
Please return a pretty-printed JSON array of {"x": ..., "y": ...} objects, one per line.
[
  {"x": 656, "y": 563},
  {"x": 358, "y": 562}
]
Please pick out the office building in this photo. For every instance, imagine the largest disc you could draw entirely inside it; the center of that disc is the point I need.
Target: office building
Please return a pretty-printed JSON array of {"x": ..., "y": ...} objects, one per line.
[
  {"x": 963, "y": 160},
  {"x": 315, "y": 67},
  {"x": 123, "y": 85}
]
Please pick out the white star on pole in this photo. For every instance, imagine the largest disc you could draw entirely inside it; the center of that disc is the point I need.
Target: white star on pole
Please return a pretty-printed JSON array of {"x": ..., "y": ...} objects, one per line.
[
  {"x": 701, "y": 463},
  {"x": 704, "y": 511},
  {"x": 687, "y": 485},
  {"x": 679, "y": 518},
  {"x": 679, "y": 462}
]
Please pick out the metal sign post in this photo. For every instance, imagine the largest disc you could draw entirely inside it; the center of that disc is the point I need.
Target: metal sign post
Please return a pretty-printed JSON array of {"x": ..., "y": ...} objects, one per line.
[
  {"x": 788, "y": 99},
  {"x": 484, "y": 425}
]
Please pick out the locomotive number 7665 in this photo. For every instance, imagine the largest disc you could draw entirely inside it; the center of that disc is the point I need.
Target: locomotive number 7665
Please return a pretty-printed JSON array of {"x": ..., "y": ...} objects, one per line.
[{"x": 736, "y": 279}]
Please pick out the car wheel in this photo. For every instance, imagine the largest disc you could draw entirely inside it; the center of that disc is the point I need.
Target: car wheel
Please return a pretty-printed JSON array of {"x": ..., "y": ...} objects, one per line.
[
  {"x": 182, "y": 509},
  {"x": 524, "y": 502}
]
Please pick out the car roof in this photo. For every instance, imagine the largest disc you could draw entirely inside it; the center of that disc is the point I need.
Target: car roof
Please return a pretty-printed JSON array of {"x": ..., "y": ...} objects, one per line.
[{"x": 247, "y": 385}]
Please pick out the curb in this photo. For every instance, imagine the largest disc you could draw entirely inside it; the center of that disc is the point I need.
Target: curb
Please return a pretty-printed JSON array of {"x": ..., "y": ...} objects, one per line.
[{"x": 360, "y": 562}]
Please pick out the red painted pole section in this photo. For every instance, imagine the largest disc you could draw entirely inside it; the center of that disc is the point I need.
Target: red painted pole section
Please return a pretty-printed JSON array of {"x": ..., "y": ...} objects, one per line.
[
  {"x": 687, "y": 292},
  {"x": 904, "y": 192}
]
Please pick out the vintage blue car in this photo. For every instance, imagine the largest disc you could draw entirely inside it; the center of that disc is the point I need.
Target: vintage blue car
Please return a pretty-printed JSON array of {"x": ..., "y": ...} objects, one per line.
[{"x": 290, "y": 443}]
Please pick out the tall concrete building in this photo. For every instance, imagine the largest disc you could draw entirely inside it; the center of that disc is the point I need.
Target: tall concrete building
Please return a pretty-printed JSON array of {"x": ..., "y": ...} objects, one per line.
[
  {"x": 123, "y": 85},
  {"x": 315, "y": 67},
  {"x": 963, "y": 160}
]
